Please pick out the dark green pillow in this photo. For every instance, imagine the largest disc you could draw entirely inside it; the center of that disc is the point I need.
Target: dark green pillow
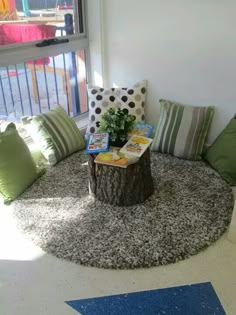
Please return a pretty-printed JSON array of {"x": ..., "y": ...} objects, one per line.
[
  {"x": 17, "y": 168},
  {"x": 222, "y": 153}
]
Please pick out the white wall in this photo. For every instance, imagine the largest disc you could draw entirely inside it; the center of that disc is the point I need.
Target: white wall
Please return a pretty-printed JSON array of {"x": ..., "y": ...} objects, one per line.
[
  {"x": 95, "y": 33},
  {"x": 186, "y": 50}
]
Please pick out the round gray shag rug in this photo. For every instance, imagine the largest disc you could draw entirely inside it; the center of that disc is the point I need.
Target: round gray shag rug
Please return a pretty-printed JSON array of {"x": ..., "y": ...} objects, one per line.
[{"x": 190, "y": 208}]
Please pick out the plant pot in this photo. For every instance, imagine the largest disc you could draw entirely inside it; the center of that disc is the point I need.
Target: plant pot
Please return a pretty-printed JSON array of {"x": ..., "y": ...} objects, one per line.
[{"x": 117, "y": 143}]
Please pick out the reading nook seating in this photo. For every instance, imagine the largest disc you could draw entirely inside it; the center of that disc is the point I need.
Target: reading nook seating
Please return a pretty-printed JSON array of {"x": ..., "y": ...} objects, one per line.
[
  {"x": 165, "y": 208},
  {"x": 130, "y": 186}
]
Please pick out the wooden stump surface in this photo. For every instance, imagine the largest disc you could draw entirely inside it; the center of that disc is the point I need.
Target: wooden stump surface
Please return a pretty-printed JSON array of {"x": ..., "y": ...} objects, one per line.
[{"x": 121, "y": 186}]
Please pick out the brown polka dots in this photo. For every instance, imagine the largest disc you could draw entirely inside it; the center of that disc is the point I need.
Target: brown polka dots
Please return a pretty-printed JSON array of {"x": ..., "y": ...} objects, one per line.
[
  {"x": 138, "y": 111},
  {"x": 131, "y": 104},
  {"x": 138, "y": 97},
  {"x": 118, "y": 92},
  {"x": 98, "y": 110},
  {"x": 105, "y": 104},
  {"x": 99, "y": 97},
  {"x": 132, "y": 99}
]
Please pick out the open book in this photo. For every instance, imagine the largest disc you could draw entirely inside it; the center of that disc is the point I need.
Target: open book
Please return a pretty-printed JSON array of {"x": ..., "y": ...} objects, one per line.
[
  {"x": 115, "y": 158},
  {"x": 136, "y": 146}
]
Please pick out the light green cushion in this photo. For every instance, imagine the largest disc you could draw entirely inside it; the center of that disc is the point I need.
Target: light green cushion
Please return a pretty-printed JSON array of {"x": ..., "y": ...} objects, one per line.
[
  {"x": 17, "y": 168},
  {"x": 55, "y": 133},
  {"x": 39, "y": 158},
  {"x": 182, "y": 129},
  {"x": 222, "y": 153}
]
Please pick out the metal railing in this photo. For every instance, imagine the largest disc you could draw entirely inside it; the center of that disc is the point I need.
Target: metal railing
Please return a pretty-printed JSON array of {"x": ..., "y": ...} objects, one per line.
[{"x": 36, "y": 86}]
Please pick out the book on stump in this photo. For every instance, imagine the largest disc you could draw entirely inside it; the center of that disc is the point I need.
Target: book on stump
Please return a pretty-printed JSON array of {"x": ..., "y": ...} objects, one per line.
[
  {"x": 115, "y": 158},
  {"x": 97, "y": 142},
  {"x": 141, "y": 129},
  {"x": 136, "y": 146}
]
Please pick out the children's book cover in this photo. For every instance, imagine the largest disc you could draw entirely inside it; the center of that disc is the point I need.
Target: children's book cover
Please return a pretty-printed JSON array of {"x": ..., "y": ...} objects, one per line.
[
  {"x": 115, "y": 158},
  {"x": 136, "y": 146},
  {"x": 141, "y": 129},
  {"x": 97, "y": 142}
]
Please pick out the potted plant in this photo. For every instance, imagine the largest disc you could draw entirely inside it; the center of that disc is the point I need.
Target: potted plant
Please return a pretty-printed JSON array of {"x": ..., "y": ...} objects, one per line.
[{"x": 117, "y": 123}]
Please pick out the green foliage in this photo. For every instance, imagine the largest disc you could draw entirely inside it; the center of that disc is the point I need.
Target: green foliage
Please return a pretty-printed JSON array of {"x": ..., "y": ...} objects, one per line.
[{"x": 117, "y": 123}]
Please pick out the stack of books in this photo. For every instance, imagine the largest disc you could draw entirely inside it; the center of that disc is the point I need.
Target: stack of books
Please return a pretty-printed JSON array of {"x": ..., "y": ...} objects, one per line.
[{"x": 120, "y": 157}]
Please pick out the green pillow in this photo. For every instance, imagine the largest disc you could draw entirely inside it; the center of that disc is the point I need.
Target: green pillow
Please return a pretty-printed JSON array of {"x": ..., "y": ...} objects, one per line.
[
  {"x": 182, "y": 129},
  {"x": 55, "y": 133},
  {"x": 221, "y": 155},
  {"x": 17, "y": 168},
  {"x": 39, "y": 158}
]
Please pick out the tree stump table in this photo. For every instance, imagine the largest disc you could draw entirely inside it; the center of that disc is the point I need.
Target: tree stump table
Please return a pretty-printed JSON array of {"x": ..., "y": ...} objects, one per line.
[{"x": 121, "y": 186}]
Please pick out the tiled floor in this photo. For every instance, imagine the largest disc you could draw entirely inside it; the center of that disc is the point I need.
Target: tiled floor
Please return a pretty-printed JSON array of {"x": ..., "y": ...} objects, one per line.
[{"x": 32, "y": 282}]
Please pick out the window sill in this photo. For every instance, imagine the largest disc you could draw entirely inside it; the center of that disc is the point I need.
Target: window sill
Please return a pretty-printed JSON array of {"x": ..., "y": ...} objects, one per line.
[{"x": 82, "y": 122}]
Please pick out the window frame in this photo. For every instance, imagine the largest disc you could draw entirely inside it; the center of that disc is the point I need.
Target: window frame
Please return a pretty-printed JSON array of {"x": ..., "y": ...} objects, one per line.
[{"x": 15, "y": 53}]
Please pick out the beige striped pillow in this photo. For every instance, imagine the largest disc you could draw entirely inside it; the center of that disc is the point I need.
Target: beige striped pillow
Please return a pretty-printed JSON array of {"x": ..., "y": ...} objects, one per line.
[{"x": 182, "y": 129}]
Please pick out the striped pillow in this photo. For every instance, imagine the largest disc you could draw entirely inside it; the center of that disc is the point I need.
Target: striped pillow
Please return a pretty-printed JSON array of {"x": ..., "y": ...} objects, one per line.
[
  {"x": 55, "y": 133},
  {"x": 182, "y": 129}
]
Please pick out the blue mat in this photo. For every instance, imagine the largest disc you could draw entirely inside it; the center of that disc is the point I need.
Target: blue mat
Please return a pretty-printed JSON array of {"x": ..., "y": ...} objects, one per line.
[{"x": 196, "y": 299}]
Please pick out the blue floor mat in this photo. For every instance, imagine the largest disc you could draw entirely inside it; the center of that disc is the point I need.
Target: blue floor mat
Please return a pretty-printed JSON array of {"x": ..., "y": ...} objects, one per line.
[{"x": 196, "y": 299}]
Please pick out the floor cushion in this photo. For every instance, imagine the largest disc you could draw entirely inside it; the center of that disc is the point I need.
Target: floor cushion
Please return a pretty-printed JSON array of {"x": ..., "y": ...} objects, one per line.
[
  {"x": 100, "y": 100},
  {"x": 17, "y": 168},
  {"x": 182, "y": 129},
  {"x": 221, "y": 155},
  {"x": 55, "y": 133}
]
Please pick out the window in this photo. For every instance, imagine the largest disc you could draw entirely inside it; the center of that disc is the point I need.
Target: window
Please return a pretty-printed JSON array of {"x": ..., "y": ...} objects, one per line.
[{"x": 34, "y": 79}]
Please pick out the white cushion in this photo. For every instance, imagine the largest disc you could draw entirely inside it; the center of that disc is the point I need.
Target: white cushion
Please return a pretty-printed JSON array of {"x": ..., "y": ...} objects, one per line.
[{"x": 100, "y": 100}]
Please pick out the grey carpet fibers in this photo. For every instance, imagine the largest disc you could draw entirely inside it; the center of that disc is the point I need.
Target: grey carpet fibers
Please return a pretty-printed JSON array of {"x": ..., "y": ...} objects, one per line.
[{"x": 191, "y": 207}]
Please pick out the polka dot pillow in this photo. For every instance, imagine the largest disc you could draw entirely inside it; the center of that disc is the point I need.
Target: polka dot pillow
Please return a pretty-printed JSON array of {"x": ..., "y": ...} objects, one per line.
[
  {"x": 100, "y": 100},
  {"x": 134, "y": 100}
]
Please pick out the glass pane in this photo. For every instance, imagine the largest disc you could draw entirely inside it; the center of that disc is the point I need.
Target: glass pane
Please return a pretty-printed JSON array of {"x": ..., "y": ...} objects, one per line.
[
  {"x": 36, "y": 86},
  {"x": 27, "y": 20}
]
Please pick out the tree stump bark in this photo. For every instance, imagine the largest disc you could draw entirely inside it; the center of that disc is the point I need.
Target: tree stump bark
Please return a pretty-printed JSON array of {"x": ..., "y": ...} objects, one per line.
[{"x": 121, "y": 186}]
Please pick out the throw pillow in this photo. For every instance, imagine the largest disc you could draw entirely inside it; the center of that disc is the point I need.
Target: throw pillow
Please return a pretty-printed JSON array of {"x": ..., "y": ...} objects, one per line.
[
  {"x": 182, "y": 129},
  {"x": 221, "y": 155},
  {"x": 17, "y": 168},
  {"x": 100, "y": 100},
  {"x": 55, "y": 133}
]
